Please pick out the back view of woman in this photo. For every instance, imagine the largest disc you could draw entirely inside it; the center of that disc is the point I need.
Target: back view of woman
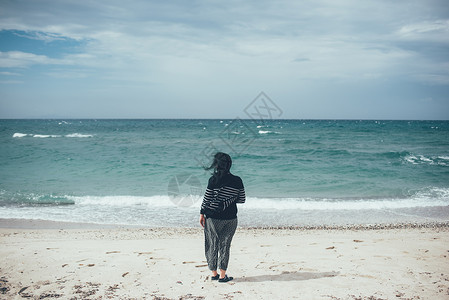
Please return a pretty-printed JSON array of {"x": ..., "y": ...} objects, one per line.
[{"x": 218, "y": 214}]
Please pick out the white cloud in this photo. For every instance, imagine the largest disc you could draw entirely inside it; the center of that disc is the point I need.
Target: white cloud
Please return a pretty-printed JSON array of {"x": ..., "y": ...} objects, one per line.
[
  {"x": 437, "y": 31},
  {"x": 18, "y": 59},
  {"x": 42, "y": 36}
]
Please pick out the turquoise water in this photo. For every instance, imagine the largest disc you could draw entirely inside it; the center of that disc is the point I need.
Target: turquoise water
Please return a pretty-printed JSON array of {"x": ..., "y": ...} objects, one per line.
[{"x": 148, "y": 172}]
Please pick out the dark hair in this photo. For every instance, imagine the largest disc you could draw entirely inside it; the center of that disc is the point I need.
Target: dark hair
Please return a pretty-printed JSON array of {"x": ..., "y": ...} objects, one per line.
[{"x": 221, "y": 165}]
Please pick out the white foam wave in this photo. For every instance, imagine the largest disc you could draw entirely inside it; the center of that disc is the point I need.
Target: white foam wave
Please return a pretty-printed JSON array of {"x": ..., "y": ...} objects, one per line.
[
  {"x": 44, "y": 136},
  {"x": 72, "y": 135},
  {"x": 426, "y": 198},
  {"x": 79, "y": 135},
  {"x": 421, "y": 159},
  {"x": 267, "y": 132},
  {"x": 19, "y": 135},
  {"x": 123, "y": 201},
  {"x": 332, "y": 204}
]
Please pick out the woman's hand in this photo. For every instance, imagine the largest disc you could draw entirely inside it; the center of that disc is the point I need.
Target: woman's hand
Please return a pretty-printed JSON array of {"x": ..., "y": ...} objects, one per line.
[{"x": 202, "y": 220}]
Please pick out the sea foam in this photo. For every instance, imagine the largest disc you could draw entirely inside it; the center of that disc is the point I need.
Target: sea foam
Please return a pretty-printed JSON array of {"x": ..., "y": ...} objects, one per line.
[
  {"x": 123, "y": 201},
  {"x": 43, "y": 136},
  {"x": 430, "y": 197},
  {"x": 71, "y": 135},
  {"x": 79, "y": 135},
  {"x": 19, "y": 135},
  {"x": 421, "y": 159}
]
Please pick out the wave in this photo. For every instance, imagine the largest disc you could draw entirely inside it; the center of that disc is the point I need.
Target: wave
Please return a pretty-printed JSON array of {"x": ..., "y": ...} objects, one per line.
[
  {"x": 19, "y": 135},
  {"x": 336, "y": 204},
  {"x": 268, "y": 132},
  {"x": 46, "y": 136},
  {"x": 430, "y": 160},
  {"x": 78, "y": 135},
  {"x": 72, "y": 135},
  {"x": 118, "y": 201},
  {"x": 416, "y": 159},
  {"x": 429, "y": 197},
  {"x": 32, "y": 199},
  {"x": 162, "y": 210}
]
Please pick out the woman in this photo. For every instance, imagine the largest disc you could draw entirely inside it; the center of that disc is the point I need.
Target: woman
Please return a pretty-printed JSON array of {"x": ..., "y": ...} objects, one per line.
[{"x": 218, "y": 214}]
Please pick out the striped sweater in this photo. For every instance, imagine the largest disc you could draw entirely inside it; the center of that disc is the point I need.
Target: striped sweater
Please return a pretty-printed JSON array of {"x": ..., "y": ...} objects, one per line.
[{"x": 221, "y": 197}]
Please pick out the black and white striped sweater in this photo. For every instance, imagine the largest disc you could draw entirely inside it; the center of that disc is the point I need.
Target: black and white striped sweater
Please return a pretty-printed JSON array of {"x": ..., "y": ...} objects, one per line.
[{"x": 221, "y": 197}]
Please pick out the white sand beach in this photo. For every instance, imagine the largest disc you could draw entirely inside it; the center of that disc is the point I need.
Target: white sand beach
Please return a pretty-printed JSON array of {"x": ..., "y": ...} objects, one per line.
[{"x": 56, "y": 260}]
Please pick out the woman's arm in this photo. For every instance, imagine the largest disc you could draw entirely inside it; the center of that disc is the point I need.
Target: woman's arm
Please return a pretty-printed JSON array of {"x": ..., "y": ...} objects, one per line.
[{"x": 202, "y": 220}]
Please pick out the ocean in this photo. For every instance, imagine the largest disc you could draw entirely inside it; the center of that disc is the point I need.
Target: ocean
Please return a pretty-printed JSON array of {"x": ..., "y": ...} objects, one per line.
[{"x": 295, "y": 172}]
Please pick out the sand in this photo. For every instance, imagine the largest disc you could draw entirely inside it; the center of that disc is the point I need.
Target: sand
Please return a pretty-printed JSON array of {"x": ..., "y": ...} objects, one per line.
[{"x": 74, "y": 262}]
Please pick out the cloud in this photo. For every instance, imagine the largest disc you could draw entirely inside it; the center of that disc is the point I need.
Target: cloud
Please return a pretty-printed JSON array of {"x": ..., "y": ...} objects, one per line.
[
  {"x": 437, "y": 31},
  {"x": 18, "y": 59},
  {"x": 147, "y": 34},
  {"x": 41, "y": 36},
  {"x": 182, "y": 49},
  {"x": 10, "y": 74}
]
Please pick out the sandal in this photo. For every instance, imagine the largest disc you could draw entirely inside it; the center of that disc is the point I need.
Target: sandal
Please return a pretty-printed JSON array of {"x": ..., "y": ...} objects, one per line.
[
  {"x": 216, "y": 277},
  {"x": 225, "y": 279}
]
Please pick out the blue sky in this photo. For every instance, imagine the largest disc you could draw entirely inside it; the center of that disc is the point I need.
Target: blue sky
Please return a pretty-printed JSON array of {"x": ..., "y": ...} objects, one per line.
[{"x": 210, "y": 59}]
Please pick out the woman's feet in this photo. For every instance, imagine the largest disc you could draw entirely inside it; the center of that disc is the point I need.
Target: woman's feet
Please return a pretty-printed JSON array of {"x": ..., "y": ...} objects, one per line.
[
  {"x": 225, "y": 279},
  {"x": 222, "y": 277}
]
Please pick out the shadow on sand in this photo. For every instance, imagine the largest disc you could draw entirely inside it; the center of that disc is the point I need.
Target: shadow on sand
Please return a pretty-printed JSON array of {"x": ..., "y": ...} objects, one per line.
[{"x": 287, "y": 276}]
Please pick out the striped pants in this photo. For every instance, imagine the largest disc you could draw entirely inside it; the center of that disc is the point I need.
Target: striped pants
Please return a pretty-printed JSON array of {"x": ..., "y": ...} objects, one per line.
[{"x": 217, "y": 241}]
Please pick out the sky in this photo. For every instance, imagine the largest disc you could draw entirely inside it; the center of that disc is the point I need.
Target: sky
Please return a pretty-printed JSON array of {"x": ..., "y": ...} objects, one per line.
[{"x": 321, "y": 59}]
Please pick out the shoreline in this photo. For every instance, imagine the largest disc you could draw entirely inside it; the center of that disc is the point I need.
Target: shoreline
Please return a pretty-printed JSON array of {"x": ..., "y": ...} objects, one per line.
[
  {"x": 47, "y": 224},
  {"x": 187, "y": 217}
]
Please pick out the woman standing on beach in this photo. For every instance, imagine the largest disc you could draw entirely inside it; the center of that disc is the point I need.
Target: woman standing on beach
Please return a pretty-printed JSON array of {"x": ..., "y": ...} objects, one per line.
[{"x": 218, "y": 214}]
